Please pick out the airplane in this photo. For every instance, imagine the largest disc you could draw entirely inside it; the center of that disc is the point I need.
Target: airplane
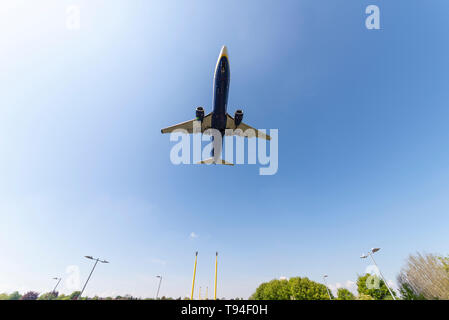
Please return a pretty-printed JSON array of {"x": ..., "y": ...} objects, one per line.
[{"x": 219, "y": 119}]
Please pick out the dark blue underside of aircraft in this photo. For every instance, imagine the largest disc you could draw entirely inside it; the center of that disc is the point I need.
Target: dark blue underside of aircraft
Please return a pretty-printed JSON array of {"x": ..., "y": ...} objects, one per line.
[{"x": 221, "y": 90}]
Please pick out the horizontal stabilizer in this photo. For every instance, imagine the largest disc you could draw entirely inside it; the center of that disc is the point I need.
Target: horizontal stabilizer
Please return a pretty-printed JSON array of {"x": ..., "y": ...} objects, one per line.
[{"x": 218, "y": 161}]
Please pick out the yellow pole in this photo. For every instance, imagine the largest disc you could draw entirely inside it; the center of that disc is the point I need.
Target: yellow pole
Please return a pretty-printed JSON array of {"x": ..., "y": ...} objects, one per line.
[
  {"x": 216, "y": 262},
  {"x": 199, "y": 294},
  {"x": 194, "y": 273}
]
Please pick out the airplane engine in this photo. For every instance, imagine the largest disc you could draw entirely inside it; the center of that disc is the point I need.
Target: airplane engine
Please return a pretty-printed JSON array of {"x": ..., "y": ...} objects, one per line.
[
  {"x": 200, "y": 113},
  {"x": 238, "y": 117}
]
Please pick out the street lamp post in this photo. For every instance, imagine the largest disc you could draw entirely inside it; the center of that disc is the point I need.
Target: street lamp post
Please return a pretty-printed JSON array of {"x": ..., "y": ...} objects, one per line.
[
  {"x": 370, "y": 253},
  {"x": 59, "y": 280},
  {"x": 215, "y": 283},
  {"x": 96, "y": 261},
  {"x": 194, "y": 274},
  {"x": 160, "y": 280},
  {"x": 324, "y": 277}
]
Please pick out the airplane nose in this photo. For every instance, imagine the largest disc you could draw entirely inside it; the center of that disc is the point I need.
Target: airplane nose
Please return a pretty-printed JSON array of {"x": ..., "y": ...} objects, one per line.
[{"x": 224, "y": 51}]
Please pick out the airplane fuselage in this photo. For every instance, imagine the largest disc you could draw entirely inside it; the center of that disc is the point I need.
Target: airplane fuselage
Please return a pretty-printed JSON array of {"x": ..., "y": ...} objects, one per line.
[{"x": 222, "y": 78}]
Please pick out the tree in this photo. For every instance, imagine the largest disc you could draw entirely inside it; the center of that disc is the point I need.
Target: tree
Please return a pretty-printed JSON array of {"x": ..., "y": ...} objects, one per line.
[
  {"x": 30, "y": 295},
  {"x": 407, "y": 292},
  {"x": 373, "y": 286},
  {"x": 305, "y": 289},
  {"x": 15, "y": 296},
  {"x": 74, "y": 295},
  {"x": 273, "y": 290},
  {"x": 277, "y": 290},
  {"x": 425, "y": 276},
  {"x": 4, "y": 296},
  {"x": 295, "y": 288},
  {"x": 345, "y": 294}
]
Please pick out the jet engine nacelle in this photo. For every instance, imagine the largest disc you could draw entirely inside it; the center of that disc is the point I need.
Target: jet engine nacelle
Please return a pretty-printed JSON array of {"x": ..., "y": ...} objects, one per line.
[
  {"x": 199, "y": 113},
  {"x": 238, "y": 117}
]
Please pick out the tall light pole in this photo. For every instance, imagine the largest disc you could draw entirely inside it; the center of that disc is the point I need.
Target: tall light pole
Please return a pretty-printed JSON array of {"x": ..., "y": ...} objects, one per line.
[
  {"x": 59, "y": 280},
  {"x": 160, "y": 280},
  {"x": 370, "y": 253},
  {"x": 96, "y": 261},
  {"x": 194, "y": 273},
  {"x": 215, "y": 283},
  {"x": 324, "y": 277}
]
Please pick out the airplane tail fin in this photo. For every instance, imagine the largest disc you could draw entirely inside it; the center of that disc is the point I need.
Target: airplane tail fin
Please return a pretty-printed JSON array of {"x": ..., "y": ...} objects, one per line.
[{"x": 212, "y": 160}]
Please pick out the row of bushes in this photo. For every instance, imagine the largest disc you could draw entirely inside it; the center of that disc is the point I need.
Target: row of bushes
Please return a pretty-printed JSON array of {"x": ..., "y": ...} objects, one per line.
[{"x": 32, "y": 295}]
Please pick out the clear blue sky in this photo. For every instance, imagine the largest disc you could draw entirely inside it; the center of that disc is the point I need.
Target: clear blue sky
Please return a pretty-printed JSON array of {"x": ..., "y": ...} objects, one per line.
[{"x": 363, "y": 142}]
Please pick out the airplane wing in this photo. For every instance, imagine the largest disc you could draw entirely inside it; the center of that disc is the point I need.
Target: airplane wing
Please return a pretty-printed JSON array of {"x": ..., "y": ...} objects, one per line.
[
  {"x": 230, "y": 124},
  {"x": 188, "y": 125}
]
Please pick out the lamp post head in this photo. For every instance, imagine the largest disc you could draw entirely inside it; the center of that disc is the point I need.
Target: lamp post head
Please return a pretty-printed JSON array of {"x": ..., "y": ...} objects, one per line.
[
  {"x": 325, "y": 276},
  {"x": 89, "y": 257},
  {"x": 373, "y": 250},
  {"x": 363, "y": 256},
  {"x": 104, "y": 261}
]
